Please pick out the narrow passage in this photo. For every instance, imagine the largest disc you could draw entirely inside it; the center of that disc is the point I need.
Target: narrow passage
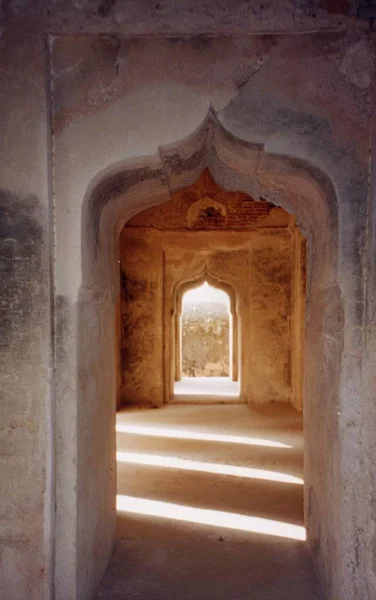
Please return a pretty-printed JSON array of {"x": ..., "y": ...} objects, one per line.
[{"x": 210, "y": 506}]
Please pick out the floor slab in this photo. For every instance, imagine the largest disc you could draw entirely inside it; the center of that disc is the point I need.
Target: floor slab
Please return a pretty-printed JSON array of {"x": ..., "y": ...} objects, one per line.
[
  {"x": 219, "y": 462},
  {"x": 206, "y": 389}
]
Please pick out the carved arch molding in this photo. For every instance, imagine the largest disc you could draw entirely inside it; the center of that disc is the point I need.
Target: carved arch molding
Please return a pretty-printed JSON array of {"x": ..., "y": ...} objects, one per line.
[{"x": 125, "y": 189}]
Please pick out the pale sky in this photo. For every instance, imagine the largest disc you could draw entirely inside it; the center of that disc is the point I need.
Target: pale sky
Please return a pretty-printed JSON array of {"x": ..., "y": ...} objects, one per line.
[{"x": 205, "y": 294}]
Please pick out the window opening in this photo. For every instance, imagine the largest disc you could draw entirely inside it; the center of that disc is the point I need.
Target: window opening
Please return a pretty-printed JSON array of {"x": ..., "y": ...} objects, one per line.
[{"x": 206, "y": 343}]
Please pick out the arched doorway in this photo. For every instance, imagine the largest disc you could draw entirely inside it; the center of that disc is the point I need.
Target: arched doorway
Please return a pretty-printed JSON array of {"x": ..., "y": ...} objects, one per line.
[
  {"x": 108, "y": 206},
  {"x": 206, "y": 341},
  {"x": 205, "y": 317},
  {"x": 206, "y": 333}
]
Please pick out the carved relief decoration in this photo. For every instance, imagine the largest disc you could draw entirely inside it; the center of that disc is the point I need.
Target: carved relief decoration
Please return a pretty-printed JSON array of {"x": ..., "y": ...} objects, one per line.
[
  {"x": 204, "y": 205},
  {"x": 206, "y": 214}
]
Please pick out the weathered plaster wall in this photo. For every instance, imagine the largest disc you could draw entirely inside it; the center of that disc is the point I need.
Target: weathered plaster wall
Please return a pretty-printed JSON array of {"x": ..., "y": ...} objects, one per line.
[
  {"x": 301, "y": 91},
  {"x": 298, "y": 301},
  {"x": 270, "y": 288},
  {"x": 26, "y": 397},
  {"x": 367, "y": 563},
  {"x": 141, "y": 289},
  {"x": 194, "y": 16},
  {"x": 205, "y": 206}
]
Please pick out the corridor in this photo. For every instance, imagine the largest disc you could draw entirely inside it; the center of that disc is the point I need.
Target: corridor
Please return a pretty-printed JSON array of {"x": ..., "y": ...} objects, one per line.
[{"x": 210, "y": 505}]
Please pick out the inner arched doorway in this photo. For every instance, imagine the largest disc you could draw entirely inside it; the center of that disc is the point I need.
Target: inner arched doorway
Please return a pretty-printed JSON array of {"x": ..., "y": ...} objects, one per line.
[
  {"x": 206, "y": 340},
  {"x": 206, "y": 333}
]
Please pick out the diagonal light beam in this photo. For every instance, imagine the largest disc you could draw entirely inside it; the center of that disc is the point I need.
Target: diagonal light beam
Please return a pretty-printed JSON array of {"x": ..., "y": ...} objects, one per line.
[
  {"x": 195, "y": 435},
  {"x": 154, "y": 460},
  {"x": 204, "y": 516}
]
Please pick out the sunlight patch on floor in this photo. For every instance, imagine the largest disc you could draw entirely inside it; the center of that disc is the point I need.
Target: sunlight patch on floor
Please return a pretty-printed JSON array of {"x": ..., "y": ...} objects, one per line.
[
  {"x": 196, "y": 435},
  {"x": 207, "y": 386},
  {"x": 204, "y": 516},
  {"x": 153, "y": 460}
]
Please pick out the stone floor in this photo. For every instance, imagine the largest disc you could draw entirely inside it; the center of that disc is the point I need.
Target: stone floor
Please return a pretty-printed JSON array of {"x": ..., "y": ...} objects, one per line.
[
  {"x": 220, "y": 492},
  {"x": 198, "y": 389}
]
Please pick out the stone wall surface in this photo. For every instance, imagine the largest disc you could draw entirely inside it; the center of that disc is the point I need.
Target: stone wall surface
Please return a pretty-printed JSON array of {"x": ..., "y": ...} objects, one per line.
[
  {"x": 369, "y": 373},
  {"x": 141, "y": 319},
  {"x": 194, "y": 16},
  {"x": 129, "y": 86},
  {"x": 26, "y": 402},
  {"x": 270, "y": 318},
  {"x": 205, "y": 206}
]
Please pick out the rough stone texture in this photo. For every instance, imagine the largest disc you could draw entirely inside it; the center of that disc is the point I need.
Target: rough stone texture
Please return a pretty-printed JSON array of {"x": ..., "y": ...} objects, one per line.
[
  {"x": 205, "y": 206},
  {"x": 141, "y": 319},
  {"x": 298, "y": 301},
  {"x": 194, "y": 17},
  {"x": 26, "y": 397},
  {"x": 270, "y": 318},
  {"x": 289, "y": 122},
  {"x": 367, "y": 562}
]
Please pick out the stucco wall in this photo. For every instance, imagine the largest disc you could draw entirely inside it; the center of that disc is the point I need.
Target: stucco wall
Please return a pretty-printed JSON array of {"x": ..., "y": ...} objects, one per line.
[
  {"x": 114, "y": 105},
  {"x": 141, "y": 290},
  {"x": 270, "y": 318},
  {"x": 26, "y": 393}
]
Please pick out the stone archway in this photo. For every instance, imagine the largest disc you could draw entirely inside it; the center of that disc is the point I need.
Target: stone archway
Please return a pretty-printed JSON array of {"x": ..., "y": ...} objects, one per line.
[{"x": 113, "y": 198}]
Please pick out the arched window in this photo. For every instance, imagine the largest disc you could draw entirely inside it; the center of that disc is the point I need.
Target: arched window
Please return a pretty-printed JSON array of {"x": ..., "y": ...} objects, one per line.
[
  {"x": 206, "y": 346},
  {"x": 206, "y": 332}
]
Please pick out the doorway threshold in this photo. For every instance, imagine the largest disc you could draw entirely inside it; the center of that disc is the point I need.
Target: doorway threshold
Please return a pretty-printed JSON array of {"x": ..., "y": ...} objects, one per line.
[{"x": 216, "y": 390}]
